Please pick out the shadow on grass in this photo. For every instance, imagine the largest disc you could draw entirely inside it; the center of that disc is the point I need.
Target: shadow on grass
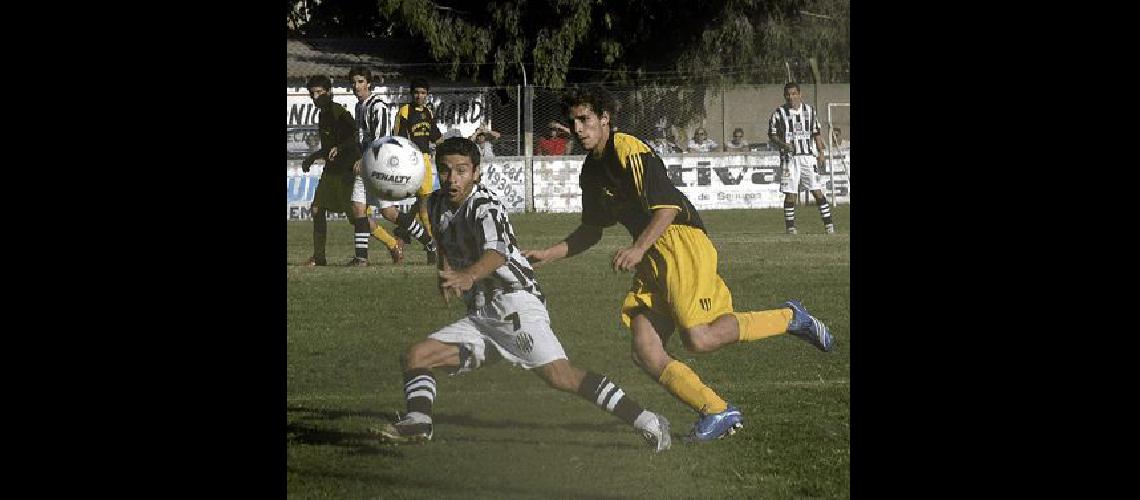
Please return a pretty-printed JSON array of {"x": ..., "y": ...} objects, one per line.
[
  {"x": 451, "y": 487},
  {"x": 364, "y": 442}
]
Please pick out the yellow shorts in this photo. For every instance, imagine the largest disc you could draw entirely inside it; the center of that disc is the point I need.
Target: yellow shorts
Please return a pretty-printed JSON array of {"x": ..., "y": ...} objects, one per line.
[
  {"x": 677, "y": 279},
  {"x": 429, "y": 177}
]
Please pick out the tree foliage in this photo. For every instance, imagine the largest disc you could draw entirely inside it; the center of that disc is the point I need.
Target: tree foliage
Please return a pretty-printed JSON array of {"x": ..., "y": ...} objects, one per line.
[{"x": 690, "y": 42}]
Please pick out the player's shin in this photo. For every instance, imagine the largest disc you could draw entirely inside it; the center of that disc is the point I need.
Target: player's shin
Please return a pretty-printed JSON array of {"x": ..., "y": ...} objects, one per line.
[
  {"x": 600, "y": 390},
  {"x": 320, "y": 228},
  {"x": 683, "y": 383},
  {"x": 360, "y": 239},
  {"x": 413, "y": 226},
  {"x": 756, "y": 325},
  {"x": 381, "y": 234},
  {"x": 825, "y": 211},
  {"x": 789, "y": 215},
  {"x": 419, "y": 392}
]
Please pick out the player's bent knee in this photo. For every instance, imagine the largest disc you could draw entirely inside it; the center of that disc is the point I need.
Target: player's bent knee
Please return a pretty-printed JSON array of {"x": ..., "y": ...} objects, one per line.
[
  {"x": 420, "y": 355},
  {"x": 697, "y": 339}
]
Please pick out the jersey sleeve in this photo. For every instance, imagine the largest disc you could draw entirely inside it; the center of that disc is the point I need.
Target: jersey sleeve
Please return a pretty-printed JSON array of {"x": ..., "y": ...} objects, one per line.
[
  {"x": 378, "y": 119},
  {"x": 494, "y": 231},
  {"x": 595, "y": 212},
  {"x": 651, "y": 178},
  {"x": 401, "y": 125},
  {"x": 435, "y": 133}
]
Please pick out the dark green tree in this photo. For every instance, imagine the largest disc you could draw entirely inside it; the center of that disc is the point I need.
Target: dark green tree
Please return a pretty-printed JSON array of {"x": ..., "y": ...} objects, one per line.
[{"x": 690, "y": 42}]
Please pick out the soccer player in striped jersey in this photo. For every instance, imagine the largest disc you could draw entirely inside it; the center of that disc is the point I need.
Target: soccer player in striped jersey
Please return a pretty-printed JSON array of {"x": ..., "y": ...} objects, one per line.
[
  {"x": 794, "y": 128},
  {"x": 371, "y": 119},
  {"x": 675, "y": 282},
  {"x": 340, "y": 151},
  {"x": 415, "y": 121},
  {"x": 480, "y": 260}
]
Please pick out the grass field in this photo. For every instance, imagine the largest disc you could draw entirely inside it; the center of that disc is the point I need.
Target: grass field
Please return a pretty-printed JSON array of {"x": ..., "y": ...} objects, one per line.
[{"x": 501, "y": 433}]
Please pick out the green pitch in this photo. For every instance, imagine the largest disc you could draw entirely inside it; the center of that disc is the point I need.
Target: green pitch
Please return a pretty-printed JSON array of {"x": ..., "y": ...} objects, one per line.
[{"x": 501, "y": 433}]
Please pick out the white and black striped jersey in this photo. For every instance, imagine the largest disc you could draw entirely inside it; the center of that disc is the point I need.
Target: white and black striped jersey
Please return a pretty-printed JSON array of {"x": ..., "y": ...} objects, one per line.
[
  {"x": 373, "y": 119},
  {"x": 479, "y": 224},
  {"x": 797, "y": 127}
]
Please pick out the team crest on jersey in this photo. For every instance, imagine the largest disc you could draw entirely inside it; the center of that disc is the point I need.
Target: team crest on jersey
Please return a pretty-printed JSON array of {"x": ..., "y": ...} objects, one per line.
[{"x": 706, "y": 303}]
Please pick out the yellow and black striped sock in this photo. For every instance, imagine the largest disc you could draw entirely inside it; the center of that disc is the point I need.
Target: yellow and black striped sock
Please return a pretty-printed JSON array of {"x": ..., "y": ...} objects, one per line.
[
  {"x": 687, "y": 386},
  {"x": 756, "y": 325}
]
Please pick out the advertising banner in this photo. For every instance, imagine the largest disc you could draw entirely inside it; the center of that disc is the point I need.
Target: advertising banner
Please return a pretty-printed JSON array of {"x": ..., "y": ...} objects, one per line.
[{"x": 711, "y": 182}]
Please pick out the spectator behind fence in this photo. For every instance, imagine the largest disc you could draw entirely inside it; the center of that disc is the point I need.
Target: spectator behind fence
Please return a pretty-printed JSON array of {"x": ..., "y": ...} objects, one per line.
[
  {"x": 663, "y": 143},
  {"x": 700, "y": 143},
  {"x": 483, "y": 138},
  {"x": 554, "y": 142},
  {"x": 737, "y": 144}
]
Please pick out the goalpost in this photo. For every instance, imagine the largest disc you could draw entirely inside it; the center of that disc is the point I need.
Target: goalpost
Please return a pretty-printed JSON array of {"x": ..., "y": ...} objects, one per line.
[{"x": 839, "y": 116}]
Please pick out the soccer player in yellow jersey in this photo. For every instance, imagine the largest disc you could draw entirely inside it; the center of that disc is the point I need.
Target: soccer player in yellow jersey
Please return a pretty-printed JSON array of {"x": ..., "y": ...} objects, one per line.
[
  {"x": 415, "y": 121},
  {"x": 675, "y": 281}
]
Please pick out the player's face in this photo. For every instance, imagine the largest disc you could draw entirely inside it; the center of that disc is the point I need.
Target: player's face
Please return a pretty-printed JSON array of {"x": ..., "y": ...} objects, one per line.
[
  {"x": 360, "y": 86},
  {"x": 591, "y": 130},
  {"x": 456, "y": 177},
  {"x": 420, "y": 95},
  {"x": 317, "y": 92},
  {"x": 792, "y": 97}
]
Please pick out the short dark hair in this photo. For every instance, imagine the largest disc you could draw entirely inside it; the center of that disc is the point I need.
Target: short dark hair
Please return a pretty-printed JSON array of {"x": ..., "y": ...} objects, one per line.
[
  {"x": 362, "y": 71},
  {"x": 319, "y": 81},
  {"x": 791, "y": 85},
  {"x": 420, "y": 83},
  {"x": 458, "y": 146},
  {"x": 598, "y": 98},
  {"x": 738, "y": 129}
]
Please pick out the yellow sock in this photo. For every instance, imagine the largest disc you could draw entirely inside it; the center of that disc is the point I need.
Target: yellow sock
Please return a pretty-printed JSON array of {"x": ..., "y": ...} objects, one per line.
[
  {"x": 384, "y": 237},
  {"x": 687, "y": 386},
  {"x": 756, "y": 325}
]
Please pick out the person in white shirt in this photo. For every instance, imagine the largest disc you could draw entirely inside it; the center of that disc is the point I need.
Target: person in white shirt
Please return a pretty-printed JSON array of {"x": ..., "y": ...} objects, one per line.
[
  {"x": 700, "y": 143},
  {"x": 737, "y": 144}
]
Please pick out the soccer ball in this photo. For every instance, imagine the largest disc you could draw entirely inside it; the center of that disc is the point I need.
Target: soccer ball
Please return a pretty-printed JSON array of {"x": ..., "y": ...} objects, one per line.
[{"x": 393, "y": 168}]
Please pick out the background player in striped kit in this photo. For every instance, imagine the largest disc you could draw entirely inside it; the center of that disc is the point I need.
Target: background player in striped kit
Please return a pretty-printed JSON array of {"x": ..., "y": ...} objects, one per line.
[
  {"x": 794, "y": 128},
  {"x": 371, "y": 121},
  {"x": 415, "y": 121},
  {"x": 481, "y": 261},
  {"x": 340, "y": 151},
  {"x": 675, "y": 277}
]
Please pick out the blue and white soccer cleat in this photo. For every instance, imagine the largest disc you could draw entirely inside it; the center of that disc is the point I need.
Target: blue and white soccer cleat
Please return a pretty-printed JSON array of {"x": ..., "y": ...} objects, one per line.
[
  {"x": 716, "y": 425},
  {"x": 807, "y": 326}
]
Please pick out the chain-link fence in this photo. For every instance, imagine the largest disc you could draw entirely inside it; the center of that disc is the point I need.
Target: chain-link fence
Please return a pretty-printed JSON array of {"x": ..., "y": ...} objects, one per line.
[
  {"x": 714, "y": 139},
  {"x": 673, "y": 114}
]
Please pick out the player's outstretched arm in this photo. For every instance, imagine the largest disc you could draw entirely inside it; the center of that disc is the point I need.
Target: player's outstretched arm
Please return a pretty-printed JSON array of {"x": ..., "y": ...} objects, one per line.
[
  {"x": 580, "y": 240},
  {"x": 462, "y": 280}
]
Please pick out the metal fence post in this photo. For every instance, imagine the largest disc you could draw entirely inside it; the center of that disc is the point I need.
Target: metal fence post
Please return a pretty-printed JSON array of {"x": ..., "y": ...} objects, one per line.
[{"x": 528, "y": 153}]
